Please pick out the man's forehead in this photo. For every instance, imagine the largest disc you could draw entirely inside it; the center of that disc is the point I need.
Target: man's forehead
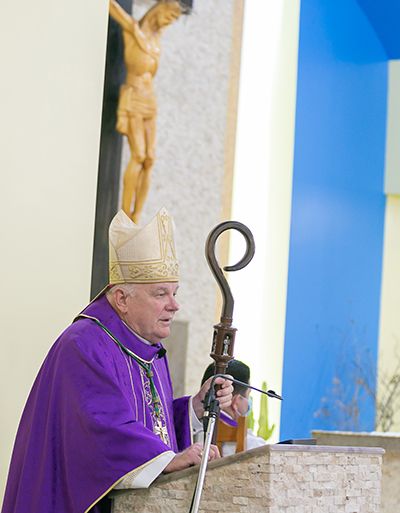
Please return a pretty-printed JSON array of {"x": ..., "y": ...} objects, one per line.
[
  {"x": 167, "y": 286},
  {"x": 163, "y": 286}
]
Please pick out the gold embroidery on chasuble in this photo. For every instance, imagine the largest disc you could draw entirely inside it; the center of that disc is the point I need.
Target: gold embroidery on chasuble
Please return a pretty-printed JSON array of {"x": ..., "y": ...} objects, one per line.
[
  {"x": 128, "y": 361},
  {"x": 159, "y": 421}
]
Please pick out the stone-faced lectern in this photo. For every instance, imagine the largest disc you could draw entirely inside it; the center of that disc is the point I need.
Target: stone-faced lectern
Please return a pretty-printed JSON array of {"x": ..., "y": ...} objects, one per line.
[{"x": 270, "y": 479}]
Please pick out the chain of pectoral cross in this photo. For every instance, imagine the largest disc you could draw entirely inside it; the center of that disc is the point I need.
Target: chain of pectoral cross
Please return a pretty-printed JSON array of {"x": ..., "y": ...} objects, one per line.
[{"x": 159, "y": 429}]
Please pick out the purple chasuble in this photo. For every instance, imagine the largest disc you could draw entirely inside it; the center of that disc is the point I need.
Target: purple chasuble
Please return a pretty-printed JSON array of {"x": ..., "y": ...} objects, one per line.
[{"x": 89, "y": 418}]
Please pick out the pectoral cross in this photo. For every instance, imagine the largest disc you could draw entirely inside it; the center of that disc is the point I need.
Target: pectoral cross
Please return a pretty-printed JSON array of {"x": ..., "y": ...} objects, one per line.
[{"x": 161, "y": 431}]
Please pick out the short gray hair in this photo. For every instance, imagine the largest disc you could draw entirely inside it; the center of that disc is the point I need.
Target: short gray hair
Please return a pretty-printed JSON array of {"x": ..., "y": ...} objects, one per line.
[{"x": 128, "y": 288}]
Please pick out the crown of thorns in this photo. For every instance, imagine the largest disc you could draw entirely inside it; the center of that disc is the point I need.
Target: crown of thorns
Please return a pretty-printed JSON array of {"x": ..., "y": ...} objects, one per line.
[{"x": 185, "y": 5}]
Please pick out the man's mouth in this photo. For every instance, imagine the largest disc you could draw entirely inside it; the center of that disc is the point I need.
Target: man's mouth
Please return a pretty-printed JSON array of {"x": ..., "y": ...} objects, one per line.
[{"x": 166, "y": 320}]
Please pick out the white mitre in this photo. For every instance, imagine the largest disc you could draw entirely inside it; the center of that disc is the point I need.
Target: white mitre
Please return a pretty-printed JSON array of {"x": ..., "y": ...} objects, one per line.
[{"x": 142, "y": 255}]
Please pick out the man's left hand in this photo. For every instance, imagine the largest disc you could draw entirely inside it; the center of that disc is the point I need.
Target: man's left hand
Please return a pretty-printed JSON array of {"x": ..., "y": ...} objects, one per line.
[{"x": 224, "y": 395}]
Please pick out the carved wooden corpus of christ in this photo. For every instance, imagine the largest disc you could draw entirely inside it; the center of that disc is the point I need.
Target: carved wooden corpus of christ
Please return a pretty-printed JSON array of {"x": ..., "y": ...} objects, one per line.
[
  {"x": 224, "y": 333},
  {"x": 137, "y": 107}
]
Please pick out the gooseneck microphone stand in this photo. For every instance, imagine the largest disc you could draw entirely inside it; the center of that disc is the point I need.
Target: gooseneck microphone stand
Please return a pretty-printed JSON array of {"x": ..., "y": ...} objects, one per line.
[{"x": 211, "y": 411}]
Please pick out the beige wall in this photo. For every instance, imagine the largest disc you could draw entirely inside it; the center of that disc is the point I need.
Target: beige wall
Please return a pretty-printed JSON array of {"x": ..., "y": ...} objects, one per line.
[
  {"x": 52, "y": 56},
  {"x": 389, "y": 326},
  {"x": 263, "y": 190}
]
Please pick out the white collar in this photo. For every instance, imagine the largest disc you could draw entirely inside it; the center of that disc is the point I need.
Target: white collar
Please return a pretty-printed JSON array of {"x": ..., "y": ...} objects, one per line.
[{"x": 138, "y": 336}]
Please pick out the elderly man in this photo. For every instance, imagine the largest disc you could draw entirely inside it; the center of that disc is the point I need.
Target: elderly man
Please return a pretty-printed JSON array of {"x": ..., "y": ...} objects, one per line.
[{"x": 101, "y": 413}]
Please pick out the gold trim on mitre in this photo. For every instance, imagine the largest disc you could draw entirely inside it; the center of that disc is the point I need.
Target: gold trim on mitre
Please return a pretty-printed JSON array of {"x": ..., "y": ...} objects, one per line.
[{"x": 142, "y": 255}]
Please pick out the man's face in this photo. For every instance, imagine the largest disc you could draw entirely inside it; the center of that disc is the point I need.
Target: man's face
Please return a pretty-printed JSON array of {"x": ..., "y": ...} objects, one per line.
[
  {"x": 152, "y": 309},
  {"x": 168, "y": 14}
]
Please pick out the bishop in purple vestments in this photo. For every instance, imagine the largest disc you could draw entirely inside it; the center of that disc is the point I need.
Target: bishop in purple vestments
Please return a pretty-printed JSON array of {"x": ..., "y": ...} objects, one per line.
[{"x": 101, "y": 412}]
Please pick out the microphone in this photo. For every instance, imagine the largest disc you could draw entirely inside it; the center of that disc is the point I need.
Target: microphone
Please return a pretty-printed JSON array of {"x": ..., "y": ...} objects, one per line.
[
  {"x": 161, "y": 353},
  {"x": 270, "y": 393},
  {"x": 210, "y": 401}
]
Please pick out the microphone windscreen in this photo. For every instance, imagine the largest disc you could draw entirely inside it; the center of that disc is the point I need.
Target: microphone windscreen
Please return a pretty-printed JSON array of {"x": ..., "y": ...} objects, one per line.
[{"x": 161, "y": 353}]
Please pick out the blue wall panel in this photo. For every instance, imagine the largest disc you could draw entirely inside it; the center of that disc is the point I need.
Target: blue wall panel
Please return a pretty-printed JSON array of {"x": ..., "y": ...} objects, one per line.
[
  {"x": 384, "y": 17},
  {"x": 337, "y": 211}
]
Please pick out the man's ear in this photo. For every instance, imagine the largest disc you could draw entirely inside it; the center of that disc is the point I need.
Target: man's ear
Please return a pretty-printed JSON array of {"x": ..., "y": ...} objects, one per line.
[
  {"x": 235, "y": 400},
  {"x": 120, "y": 300}
]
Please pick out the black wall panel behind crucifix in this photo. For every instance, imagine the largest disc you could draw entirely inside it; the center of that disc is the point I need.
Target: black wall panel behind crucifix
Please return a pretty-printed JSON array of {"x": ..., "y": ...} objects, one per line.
[{"x": 110, "y": 152}]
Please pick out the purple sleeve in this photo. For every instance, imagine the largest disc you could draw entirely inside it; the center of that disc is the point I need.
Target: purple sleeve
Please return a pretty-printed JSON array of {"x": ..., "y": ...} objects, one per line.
[{"x": 182, "y": 422}]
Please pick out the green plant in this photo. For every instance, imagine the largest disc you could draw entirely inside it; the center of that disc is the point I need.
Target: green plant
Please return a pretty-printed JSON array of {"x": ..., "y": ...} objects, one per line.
[{"x": 263, "y": 427}]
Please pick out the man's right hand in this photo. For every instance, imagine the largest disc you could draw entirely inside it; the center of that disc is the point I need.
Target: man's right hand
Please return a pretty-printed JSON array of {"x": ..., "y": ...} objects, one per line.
[
  {"x": 189, "y": 457},
  {"x": 224, "y": 395}
]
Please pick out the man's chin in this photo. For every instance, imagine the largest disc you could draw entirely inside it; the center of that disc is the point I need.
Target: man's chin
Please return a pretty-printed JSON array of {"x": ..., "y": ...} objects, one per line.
[{"x": 163, "y": 333}]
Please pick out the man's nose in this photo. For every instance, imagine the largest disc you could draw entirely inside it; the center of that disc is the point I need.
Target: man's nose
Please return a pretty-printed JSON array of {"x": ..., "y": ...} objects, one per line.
[{"x": 173, "y": 304}]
